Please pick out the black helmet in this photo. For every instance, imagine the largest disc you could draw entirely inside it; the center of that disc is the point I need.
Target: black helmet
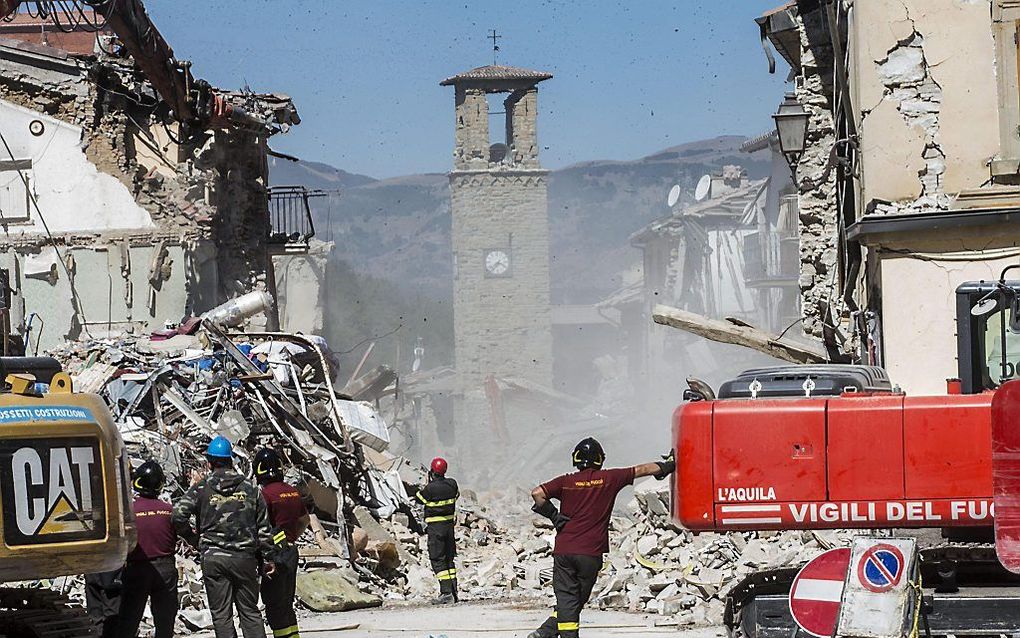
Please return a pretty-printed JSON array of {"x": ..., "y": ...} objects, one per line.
[
  {"x": 268, "y": 466},
  {"x": 148, "y": 479},
  {"x": 588, "y": 453}
]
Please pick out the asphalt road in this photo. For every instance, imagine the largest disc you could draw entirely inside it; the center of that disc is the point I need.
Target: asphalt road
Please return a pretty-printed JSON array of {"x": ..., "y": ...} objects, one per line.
[{"x": 489, "y": 619}]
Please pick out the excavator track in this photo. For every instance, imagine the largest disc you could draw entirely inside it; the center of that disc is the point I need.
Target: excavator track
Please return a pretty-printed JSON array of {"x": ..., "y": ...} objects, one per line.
[
  {"x": 968, "y": 593},
  {"x": 41, "y": 613}
]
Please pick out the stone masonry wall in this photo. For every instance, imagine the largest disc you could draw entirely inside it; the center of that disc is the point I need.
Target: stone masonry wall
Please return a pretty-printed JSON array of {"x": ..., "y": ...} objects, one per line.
[
  {"x": 522, "y": 107},
  {"x": 816, "y": 185},
  {"x": 503, "y": 325},
  {"x": 471, "y": 132},
  {"x": 502, "y": 319}
]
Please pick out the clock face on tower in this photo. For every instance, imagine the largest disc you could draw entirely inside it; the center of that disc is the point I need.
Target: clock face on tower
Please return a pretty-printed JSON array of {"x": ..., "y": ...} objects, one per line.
[{"x": 497, "y": 262}]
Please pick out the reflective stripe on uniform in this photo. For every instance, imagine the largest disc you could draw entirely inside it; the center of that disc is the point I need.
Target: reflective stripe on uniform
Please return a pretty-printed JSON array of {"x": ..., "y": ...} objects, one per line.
[
  {"x": 568, "y": 626},
  {"x": 286, "y": 632},
  {"x": 448, "y": 574},
  {"x": 440, "y": 519},
  {"x": 428, "y": 503},
  {"x": 280, "y": 537},
  {"x": 555, "y": 614}
]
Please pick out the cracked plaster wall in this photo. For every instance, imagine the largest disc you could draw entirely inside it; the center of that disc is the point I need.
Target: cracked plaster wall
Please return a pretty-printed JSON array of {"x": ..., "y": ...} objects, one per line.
[{"x": 925, "y": 87}]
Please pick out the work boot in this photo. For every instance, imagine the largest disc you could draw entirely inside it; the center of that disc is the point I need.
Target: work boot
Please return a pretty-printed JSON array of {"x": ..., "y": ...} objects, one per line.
[{"x": 445, "y": 599}]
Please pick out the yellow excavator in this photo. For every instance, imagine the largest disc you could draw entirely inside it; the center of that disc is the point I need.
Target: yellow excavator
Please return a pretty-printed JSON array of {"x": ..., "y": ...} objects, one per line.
[{"x": 64, "y": 496}]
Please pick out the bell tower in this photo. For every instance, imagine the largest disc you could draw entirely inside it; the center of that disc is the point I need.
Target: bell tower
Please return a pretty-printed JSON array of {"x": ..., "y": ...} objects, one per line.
[{"x": 502, "y": 313}]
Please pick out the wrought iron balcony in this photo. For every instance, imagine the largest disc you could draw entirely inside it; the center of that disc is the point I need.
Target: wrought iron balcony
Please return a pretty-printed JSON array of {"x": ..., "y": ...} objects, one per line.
[{"x": 290, "y": 216}]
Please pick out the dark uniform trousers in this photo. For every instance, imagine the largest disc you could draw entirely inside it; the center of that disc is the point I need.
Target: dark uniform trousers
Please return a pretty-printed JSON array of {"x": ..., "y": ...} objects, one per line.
[
  {"x": 278, "y": 594},
  {"x": 232, "y": 580},
  {"x": 442, "y": 552},
  {"x": 102, "y": 600},
  {"x": 154, "y": 581},
  {"x": 574, "y": 577}
]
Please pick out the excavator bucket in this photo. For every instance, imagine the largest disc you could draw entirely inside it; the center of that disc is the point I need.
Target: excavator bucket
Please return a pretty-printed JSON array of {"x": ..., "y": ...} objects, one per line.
[{"x": 1006, "y": 473}]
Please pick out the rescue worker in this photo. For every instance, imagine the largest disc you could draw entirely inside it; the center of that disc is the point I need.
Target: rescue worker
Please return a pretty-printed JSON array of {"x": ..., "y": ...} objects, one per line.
[
  {"x": 289, "y": 518},
  {"x": 151, "y": 571},
  {"x": 234, "y": 538},
  {"x": 440, "y": 499},
  {"x": 586, "y": 498}
]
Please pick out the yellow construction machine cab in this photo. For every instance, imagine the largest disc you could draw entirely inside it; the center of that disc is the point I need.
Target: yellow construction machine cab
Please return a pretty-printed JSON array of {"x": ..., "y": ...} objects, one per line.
[{"x": 65, "y": 503}]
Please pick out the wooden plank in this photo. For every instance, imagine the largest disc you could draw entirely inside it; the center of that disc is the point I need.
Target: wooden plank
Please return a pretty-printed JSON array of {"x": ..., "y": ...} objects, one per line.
[{"x": 739, "y": 335}]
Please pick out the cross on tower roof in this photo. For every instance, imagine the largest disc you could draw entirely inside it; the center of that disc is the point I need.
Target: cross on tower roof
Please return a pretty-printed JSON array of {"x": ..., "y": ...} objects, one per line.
[{"x": 495, "y": 47}]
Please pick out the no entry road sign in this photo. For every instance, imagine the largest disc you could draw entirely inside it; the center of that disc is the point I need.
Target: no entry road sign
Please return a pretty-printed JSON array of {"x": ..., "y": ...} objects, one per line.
[
  {"x": 816, "y": 592},
  {"x": 880, "y": 568}
]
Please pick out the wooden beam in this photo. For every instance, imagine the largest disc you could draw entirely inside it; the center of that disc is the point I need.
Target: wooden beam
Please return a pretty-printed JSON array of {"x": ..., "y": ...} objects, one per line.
[{"x": 737, "y": 334}]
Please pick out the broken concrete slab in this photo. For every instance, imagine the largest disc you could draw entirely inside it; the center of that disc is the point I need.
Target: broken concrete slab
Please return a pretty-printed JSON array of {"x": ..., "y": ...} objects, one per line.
[{"x": 326, "y": 591}]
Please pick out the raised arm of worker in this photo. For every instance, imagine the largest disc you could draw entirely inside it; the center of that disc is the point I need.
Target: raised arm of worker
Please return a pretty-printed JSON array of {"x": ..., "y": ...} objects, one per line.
[{"x": 658, "y": 469}]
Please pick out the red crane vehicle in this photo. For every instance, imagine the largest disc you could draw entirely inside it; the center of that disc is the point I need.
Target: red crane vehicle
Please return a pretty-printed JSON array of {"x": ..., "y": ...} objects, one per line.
[{"x": 838, "y": 446}]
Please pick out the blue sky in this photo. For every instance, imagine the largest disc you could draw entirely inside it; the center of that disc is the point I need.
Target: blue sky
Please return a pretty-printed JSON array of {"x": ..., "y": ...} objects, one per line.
[{"x": 631, "y": 76}]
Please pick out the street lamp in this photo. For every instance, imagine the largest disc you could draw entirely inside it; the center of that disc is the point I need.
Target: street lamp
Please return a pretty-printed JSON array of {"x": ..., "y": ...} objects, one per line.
[{"x": 791, "y": 125}]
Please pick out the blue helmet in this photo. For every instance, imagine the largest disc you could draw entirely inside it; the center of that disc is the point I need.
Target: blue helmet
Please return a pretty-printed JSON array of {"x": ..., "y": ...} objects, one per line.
[{"x": 219, "y": 448}]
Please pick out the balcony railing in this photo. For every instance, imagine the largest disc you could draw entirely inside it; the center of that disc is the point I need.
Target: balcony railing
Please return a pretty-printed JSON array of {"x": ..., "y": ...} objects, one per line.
[{"x": 290, "y": 216}]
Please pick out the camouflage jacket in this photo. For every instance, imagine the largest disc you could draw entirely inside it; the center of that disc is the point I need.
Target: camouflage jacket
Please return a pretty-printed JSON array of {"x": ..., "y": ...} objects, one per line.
[{"x": 229, "y": 513}]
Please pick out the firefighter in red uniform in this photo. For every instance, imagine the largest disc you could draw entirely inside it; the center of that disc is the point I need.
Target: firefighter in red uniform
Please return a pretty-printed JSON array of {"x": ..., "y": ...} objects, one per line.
[
  {"x": 289, "y": 519},
  {"x": 586, "y": 501},
  {"x": 440, "y": 500},
  {"x": 151, "y": 571}
]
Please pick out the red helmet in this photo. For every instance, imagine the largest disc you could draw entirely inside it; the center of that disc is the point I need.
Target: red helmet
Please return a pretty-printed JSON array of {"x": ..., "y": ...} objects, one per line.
[{"x": 439, "y": 466}]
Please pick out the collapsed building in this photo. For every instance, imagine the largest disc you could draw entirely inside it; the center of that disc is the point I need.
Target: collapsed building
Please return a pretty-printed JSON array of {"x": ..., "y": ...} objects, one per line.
[{"x": 115, "y": 218}]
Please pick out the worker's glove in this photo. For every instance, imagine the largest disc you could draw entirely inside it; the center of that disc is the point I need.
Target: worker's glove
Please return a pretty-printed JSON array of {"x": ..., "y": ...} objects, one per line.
[
  {"x": 549, "y": 511},
  {"x": 666, "y": 466}
]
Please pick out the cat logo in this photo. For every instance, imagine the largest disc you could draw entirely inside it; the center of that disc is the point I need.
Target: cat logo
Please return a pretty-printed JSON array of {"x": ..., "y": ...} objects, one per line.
[{"x": 52, "y": 490}]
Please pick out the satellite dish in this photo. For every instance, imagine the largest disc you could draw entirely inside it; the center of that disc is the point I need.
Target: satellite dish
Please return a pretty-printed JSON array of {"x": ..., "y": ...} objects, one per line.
[
  {"x": 674, "y": 195},
  {"x": 704, "y": 189}
]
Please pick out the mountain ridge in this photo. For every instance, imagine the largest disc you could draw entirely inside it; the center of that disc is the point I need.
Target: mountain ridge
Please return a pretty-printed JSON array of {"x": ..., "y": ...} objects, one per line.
[{"x": 398, "y": 228}]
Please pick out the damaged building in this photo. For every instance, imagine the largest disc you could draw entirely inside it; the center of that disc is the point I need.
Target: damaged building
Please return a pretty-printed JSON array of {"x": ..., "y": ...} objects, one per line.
[
  {"x": 117, "y": 217},
  {"x": 725, "y": 252},
  {"x": 907, "y": 180}
]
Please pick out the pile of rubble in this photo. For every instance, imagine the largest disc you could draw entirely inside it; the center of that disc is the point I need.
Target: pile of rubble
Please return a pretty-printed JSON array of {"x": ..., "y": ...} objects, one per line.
[
  {"x": 660, "y": 568},
  {"x": 504, "y": 552},
  {"x": 172, "y": 391}
]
